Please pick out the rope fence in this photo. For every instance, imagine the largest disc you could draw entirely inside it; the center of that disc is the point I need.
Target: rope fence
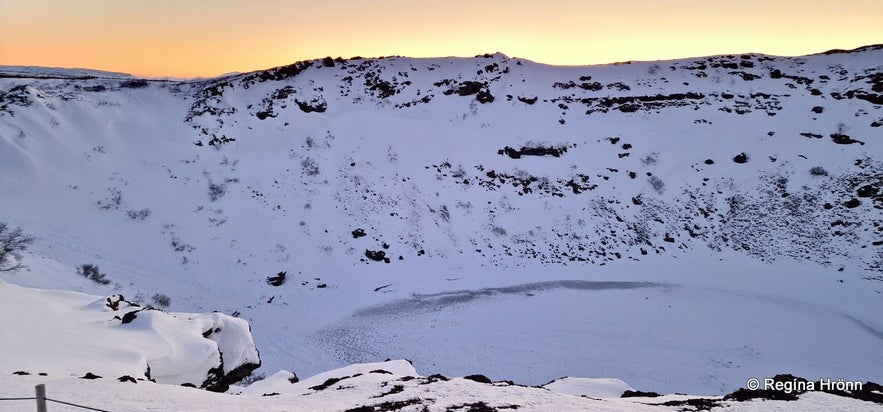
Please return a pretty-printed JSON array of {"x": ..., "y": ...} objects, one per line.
[
  {"x": 41, "y": 400},
  {"x": 75, "y": 405}
]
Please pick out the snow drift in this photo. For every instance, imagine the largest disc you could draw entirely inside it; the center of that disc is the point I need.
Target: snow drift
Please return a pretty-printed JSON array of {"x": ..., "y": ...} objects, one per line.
[{"x": 74, "y": 334}]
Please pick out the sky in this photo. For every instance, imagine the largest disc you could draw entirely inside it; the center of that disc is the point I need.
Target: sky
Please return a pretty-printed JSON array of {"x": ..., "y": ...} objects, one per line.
[{"x": 200, "y": 38}]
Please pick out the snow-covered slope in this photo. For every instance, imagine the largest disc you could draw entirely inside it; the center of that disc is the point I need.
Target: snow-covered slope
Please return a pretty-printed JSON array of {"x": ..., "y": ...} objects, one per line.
[
  {"x": 73, "y": 334},
  {"x": 680, "y": 225}
]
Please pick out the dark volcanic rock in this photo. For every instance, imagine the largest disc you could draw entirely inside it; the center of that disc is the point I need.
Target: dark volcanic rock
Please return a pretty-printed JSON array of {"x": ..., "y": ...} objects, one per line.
[
  {"x": 130, "y": 316},
  {"x": 840, "y": 138},
  {"x": 127, "y": 378},
  {"x": 478, "y": 378},
  {"x": 376, "y": 255},
  {"x": 277, "y": 280},
  {"x": 867, "y": 191},
  {"x": 639, "y": 394},
  {"x": 742, "y": 394},
  {"x": 218, "y": 381},
  {"x": 532, "y": 151}
]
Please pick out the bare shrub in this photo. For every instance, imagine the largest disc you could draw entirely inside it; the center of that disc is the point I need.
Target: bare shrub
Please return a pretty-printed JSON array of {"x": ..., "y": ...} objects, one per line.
[
  {"x": 138, "y": 214},
  {"x": 310, "y": 167},
  {"x": 650, "y": 159},
  {"x": 114, "y": 200},
  {"x": 216, "y": 191},
  {"x": 161, "y": 300},
  {"x": 657, "y": 183},
  {"x": 91, "y": 272},
  {"x": 12, "y": 243}
]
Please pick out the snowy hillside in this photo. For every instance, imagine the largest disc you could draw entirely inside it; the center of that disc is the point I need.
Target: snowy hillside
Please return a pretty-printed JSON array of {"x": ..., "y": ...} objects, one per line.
[{"x": 679, "y": 225}]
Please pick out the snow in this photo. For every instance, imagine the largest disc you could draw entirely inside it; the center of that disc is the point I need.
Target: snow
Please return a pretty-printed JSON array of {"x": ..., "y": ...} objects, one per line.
[
  {"x": 590, "y": 387},
  {"x": 281, "y": 381},
  {"x": 772, "y": 285},
  {"x": 65, "y": 333},
  {"x": 48, "y": 72}
]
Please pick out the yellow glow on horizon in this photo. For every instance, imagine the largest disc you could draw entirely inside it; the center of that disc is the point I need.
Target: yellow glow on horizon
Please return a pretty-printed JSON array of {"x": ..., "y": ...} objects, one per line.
[{"x": 208, "y": 38}]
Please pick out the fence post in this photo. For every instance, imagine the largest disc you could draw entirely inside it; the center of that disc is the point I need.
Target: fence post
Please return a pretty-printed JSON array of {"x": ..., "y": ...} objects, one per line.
[{"x": 41, "y": 397}]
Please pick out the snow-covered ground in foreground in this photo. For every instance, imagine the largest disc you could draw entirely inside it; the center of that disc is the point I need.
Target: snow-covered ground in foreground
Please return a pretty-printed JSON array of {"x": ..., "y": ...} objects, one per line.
[
  {"x": 123, "y": 396},
  {"x": 58, "y": 336},
  {"x": 711, "y": 220}
]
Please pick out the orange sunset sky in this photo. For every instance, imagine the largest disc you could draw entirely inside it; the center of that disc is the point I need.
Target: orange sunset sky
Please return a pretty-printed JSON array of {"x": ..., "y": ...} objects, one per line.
[{"x": 189, "y": 38}]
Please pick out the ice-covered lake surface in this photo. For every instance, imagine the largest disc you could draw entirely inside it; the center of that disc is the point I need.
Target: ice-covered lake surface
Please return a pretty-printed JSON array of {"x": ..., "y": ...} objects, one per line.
[{"x": 667, "y": 336}]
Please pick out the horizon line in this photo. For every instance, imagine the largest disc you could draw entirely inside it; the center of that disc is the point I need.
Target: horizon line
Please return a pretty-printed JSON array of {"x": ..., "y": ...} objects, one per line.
[{"x": 871, "y": 46}]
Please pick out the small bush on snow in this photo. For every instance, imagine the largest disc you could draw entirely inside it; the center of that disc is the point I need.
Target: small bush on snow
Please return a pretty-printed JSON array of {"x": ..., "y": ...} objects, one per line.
[
  {"x": 498, "y": 230},
  {"x": 138, "y": 214},
  {"x": 216, "y": 191},
  {"x": 91, "y": 272},
  {"x": 310, "y": 167},
  {"x": 657, "y": 184},
  {"x": 161, "y": 300}
]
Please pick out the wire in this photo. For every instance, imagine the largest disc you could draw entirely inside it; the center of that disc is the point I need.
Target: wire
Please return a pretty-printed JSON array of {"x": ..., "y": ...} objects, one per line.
[{"x": 75, "y": 405}]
